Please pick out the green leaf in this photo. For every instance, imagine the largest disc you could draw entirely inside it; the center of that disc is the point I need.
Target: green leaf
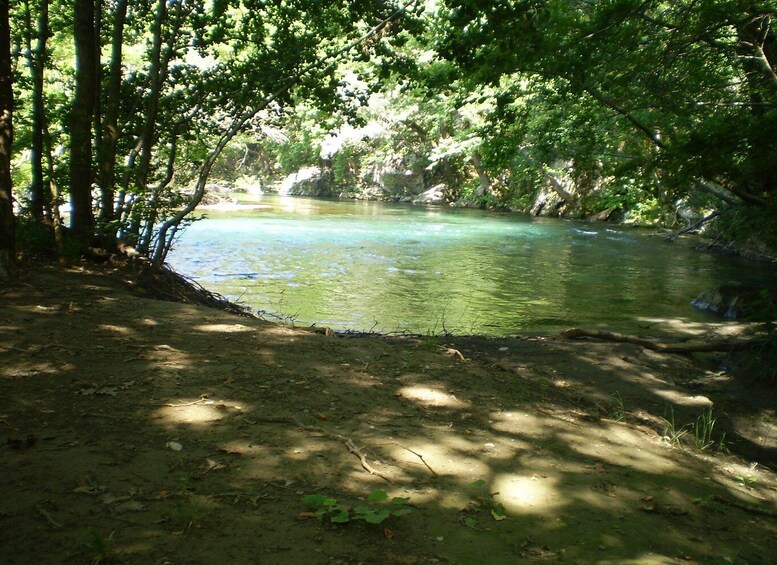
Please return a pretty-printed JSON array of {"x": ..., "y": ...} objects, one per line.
[
  {"x": 341, "y": 518},
  {"x": 314, "y": 499},
  {"x": 377, "y": 517},
  {"x": 499, "y": 509},
  {"x": 329, "y": 502},
  {"x": 498, "y": 517},
  {"x": 471, "y": 523},
  {"x": 401, "y": 512},
  {"x": 377, "y": 496},
  {"x": 480, "y": 483},
  {"x": 400, "y": 500}
]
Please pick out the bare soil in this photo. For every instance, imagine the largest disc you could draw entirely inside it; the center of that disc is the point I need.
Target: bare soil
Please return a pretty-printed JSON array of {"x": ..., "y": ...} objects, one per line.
[{"x": 134, "y": 430}]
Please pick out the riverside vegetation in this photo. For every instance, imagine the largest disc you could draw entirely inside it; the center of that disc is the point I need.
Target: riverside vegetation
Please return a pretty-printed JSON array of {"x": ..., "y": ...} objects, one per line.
[{"x": 141, "y": 430}]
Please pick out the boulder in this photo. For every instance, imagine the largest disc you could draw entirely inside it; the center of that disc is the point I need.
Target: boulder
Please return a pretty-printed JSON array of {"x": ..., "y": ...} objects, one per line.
[
  {"x": 308, "y": 181},
  {"x": 435, "y": 195}
]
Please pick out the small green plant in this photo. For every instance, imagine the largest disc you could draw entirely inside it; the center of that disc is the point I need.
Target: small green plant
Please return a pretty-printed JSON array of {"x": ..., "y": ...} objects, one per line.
[
  {"x": 103, "y": 547},
  {"x": 376, "y": 512},
  {"x": 702, "y": 430},
  {"x": 617, "y": 410},
  {"x": 672, "y": 433},
  {"x": 747, "y": 481},
  {"x": 482, "y": 502}
]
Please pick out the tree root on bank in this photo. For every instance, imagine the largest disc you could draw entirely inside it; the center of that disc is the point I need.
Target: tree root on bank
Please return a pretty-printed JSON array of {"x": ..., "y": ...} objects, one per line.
[
  {"x": 723, "y": 345},
  {"x": 164, "y": 283}
]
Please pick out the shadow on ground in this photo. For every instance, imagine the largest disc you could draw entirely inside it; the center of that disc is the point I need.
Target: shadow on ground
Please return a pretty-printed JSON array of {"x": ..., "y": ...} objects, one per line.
[{"x": 142, "y": 431}]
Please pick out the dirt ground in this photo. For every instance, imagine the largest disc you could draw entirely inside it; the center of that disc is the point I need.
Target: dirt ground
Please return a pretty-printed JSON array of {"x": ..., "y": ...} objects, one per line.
[{"x": 134, "y": 430}]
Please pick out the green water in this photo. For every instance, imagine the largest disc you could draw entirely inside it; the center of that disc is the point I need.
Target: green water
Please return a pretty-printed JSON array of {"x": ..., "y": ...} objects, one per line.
[{"x": 392, "y": 267}]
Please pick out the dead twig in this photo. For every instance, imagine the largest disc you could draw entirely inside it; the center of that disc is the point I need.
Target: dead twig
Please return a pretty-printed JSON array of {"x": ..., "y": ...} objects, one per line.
[
  {"x": 351, "y": 447},
  {"x": 421, "y": 457},
  {"x": 49, "y": 518}
]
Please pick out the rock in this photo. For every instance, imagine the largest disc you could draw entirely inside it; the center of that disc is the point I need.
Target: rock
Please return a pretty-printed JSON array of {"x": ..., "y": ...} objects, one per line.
[
  {"x": 602, "y": 216},
  {"x": 733, "y": 301},
  {"x": 398, "y": 177},
  {"x": 547, "y": 203},
  {"x": 435, "y": 195},
  {"x": 308, "y": 181}
]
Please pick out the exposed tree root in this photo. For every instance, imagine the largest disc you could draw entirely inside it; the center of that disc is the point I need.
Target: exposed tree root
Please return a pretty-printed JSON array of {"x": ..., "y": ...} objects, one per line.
[
  {"x": 166, "y": 284},
  {"x": 723, "y": 345}
]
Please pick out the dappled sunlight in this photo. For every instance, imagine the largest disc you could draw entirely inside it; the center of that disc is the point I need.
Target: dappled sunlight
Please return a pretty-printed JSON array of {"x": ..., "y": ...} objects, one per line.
[
  {"x": 618, "y": 445},
  {"x": 427, "y": 396},
  {"x": 111, "y": 328},
  {"x": 678, "y": 398},
  {"x": 522, "y": 494},
  {"x": 519, "y": 423},
  {"x": 33, "y": 369},
  {"x": 688, "y": 328},
  {"x": 198, "y": 412},
  {"x": 223, "y": 328},
  {"x": 164, "y": 356}
]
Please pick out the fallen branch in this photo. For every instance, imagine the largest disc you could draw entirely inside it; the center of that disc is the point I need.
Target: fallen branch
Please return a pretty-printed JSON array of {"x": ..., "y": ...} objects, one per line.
[
  {"x": 693, "y": 227},
  {"x": 724, "y": 345},
  {"x": 351, "y": 447}
]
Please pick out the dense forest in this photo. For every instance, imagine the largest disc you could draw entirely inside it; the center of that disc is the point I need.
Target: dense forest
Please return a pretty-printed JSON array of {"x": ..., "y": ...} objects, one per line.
[{"x": 650, "y": 112}]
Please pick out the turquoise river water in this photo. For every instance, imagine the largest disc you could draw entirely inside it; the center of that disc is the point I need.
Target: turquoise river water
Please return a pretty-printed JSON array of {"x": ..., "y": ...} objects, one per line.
[{"x": 395, "y": 267}]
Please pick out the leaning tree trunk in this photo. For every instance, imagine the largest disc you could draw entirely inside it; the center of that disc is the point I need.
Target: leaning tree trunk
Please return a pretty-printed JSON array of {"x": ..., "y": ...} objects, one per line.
[
  {"x": 7, "y": 229},
  {"x": 82, "y": 218}
]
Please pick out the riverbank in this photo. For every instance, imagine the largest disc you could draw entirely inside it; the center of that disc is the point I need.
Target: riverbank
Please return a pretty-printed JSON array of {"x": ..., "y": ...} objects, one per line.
[{"x": 137, "y": 430}]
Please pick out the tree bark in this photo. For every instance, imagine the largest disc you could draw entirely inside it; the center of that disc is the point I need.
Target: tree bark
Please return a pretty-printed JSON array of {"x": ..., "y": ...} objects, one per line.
[
  {"x": 7, "y": 227},
  {"x": 39, "y": 199},
  {"x": 110, "y": 127},
  {"x": 82, "y": 218}
]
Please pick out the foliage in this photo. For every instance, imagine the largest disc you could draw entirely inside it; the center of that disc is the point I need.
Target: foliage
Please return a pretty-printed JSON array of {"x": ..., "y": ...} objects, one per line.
[
  {"x": 701, "y": 430},
  {"x": 329, "y": 509},
  {"x": 482, "y": 501}
]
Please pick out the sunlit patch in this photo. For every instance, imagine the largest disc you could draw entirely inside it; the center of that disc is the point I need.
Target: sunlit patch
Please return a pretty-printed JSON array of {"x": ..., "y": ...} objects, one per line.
[
  {"x": 191, "y": 415},
  {"x": 526, "y": 494},
  {"x": 701, "y": 329},
  {"x": 115, "y": 329},
  {"x": 679, "y": 398},
  {"x": 149, "y": 322},
  {"x": 430, "y": 397},
  {"x": 519, "y": 423},
  {"x": 618, "y": 445},
  {"x": 223, "y": 328},
  {"x": 197, "y": 412}
]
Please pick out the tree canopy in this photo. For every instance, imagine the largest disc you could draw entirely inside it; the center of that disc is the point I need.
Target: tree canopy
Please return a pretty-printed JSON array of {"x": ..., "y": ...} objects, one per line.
[{"x": 127, "y": 109}]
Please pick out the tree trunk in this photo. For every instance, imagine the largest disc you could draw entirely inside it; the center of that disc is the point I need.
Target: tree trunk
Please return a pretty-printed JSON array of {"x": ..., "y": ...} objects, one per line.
[
  {"x": 485, "y": 188},
  {"x": 35, "y": 62},
  {"x": 110, "y": 128},
  {"x": 7, "y": 228},
  {"x": 82, "y": 219}
]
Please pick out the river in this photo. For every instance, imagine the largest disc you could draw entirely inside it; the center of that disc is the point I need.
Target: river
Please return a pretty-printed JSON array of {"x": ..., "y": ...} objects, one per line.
[{"x": 354, "y": 265}]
